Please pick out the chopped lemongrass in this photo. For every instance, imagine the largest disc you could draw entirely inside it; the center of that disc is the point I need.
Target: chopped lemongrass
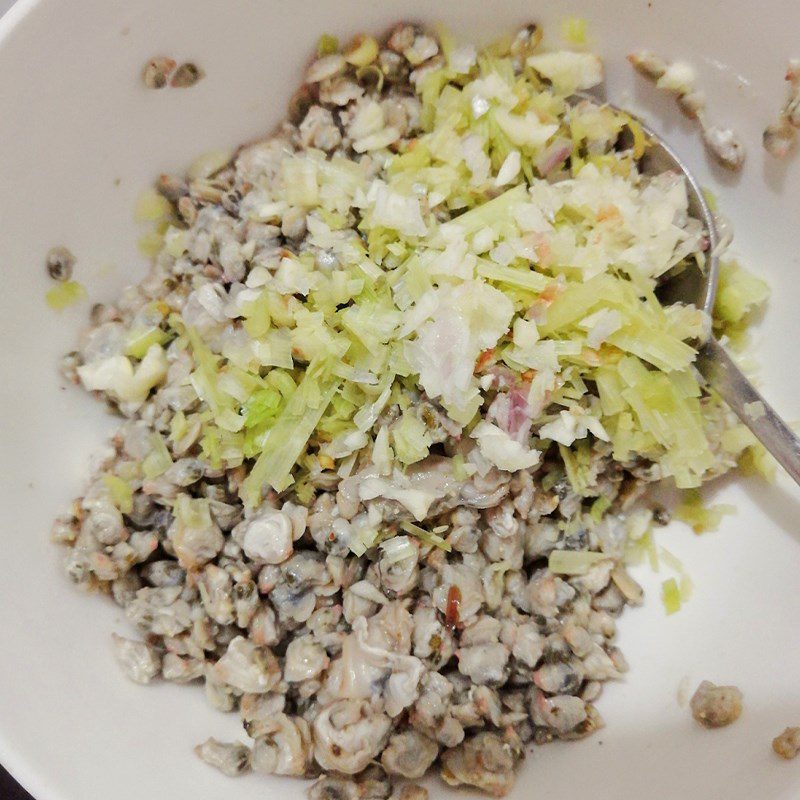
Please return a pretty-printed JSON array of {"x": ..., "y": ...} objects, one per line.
[
  {"x": 158, "y": 460},
  {"x": 599, "y": 508},
  {"x": 462, "y": 470},
  {"x": 152, "y": 206},
  {"x": 756, "y": 460},
  {"x": 573, "y": 30},
  {"x": 520, "y": 278},
  {"x": 671, "y": 596},
  {"x": 699, "y": 517},
  {"x": 573, "y": 562},
  {"x": 426, "y": 537},
  {"x": 120, "y": 491},
  {"x": 410, "y": 439},
  {"x": 65, "y": 294},
  {"x": 289, "y": 435},
  {"x": 139, "y": 341},
  {"x": 327, "y": 45}
]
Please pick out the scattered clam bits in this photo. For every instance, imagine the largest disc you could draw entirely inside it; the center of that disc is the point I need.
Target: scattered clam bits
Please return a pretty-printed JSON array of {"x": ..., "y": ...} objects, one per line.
[
  {"x": 679, "y": 79},
  {"x": 391, "y": 390}
]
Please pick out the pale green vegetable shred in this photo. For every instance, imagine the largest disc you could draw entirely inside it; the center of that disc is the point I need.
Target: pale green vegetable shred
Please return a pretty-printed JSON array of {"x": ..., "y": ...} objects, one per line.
[
  {"x": 65, "y": 294},
  {"x": 120, "y": 491},
  {"x": 671, "y": 596},
  {"x": 573, "y": 562}
]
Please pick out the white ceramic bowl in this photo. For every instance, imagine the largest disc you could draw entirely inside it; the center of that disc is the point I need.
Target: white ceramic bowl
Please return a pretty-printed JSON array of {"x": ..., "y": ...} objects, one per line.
[{"x": 79, "y": 139}]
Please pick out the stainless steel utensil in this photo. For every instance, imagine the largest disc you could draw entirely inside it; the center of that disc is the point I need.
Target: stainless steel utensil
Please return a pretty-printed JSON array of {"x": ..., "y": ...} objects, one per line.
[
  {"x": 699, "y": 288},
  {"x": 722, "y": 374}
]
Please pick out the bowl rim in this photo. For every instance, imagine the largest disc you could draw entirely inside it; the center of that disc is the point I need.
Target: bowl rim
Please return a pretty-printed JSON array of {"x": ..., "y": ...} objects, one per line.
[{"x": 19, "y": 763}]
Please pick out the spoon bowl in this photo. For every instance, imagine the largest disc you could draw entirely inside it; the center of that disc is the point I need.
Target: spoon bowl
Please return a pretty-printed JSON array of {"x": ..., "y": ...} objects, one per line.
[
  {"x": 698, "y": 286},
  {"x": 694, "y": 285}
]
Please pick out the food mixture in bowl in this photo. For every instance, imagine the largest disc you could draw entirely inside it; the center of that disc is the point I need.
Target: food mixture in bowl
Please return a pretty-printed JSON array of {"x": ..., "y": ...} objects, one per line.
[{"x": 393, "y": 391}]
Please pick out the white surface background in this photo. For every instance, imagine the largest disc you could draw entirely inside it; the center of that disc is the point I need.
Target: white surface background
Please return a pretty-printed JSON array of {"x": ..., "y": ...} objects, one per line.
[{"x": 83, "y": 140}]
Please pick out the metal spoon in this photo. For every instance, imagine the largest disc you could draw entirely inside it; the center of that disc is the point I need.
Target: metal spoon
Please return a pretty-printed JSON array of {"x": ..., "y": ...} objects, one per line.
[{"x": 699, "y": 287}]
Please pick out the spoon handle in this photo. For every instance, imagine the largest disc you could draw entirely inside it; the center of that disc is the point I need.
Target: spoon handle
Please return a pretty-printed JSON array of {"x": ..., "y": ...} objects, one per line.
[{"x": 722, "y": 374}]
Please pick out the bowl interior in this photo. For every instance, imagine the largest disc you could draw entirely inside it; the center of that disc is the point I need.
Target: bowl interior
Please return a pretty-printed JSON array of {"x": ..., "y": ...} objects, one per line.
[{"x": 80, "y": 140}]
